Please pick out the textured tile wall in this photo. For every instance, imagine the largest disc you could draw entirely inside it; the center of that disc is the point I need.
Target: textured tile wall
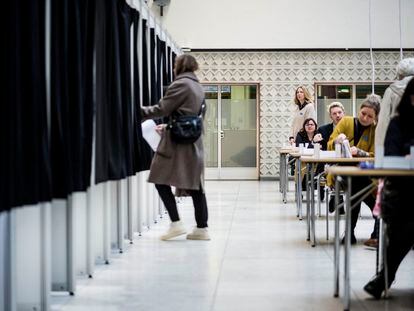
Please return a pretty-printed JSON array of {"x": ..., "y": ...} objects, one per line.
[{"x": 279, "y": 73}]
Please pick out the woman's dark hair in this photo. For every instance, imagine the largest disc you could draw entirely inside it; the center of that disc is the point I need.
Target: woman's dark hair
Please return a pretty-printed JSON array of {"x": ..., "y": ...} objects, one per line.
[
  {"x": 405, "y": 108},
  {"x": 185, "y": 63},
  {"x": 306, "y": 122}
]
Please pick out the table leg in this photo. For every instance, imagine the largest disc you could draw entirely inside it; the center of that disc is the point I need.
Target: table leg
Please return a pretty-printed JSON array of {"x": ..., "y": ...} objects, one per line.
[
  {"x": 336, "y": 248},
  {"x": 312, "y": 204},
  {"x": 299, "y": 187},
  {"x": 347, "y": 245},
  {"x": 285, "y": 178},
  {"x": 307, "y": 203},
  {"x": 281, "y": 175}
]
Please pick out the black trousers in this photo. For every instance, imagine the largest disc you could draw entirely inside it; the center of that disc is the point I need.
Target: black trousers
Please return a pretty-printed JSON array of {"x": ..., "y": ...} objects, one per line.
[
  {"x": 199, "y": 202},
  {"x": 359, "y": 183},
  {"x": 400, "y": 242}
]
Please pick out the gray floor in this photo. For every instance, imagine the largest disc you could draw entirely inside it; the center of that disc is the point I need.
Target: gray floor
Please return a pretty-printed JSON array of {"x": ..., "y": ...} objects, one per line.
[{"x": 258, "y": 259}]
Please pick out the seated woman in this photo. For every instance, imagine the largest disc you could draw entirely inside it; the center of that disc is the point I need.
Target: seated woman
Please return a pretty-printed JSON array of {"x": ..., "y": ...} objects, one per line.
[
  {"x": 308, "y": 133},
  {"x": 360, "y": 133},
  {"x": 396, "y": 198},
  {"x": 309, "y": 136}
]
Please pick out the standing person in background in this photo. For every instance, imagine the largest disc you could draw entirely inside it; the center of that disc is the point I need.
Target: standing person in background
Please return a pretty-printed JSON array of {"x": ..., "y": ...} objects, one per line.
[
  {"x": 396, "y": 197},
  {"x": 180, "y": 165},
  {"x": 360, "y": 132},
  {"x": 392, "y": 97},
  {"x": 304, "y": 109}
]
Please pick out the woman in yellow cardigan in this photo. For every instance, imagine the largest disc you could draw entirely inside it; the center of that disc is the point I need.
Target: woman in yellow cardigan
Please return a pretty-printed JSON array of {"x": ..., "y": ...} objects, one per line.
[{"x": 360, "y": 133}]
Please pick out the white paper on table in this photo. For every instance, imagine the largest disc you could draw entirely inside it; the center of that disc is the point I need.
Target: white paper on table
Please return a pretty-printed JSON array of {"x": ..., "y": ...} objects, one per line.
[
  {"x": 150, "y": 134},
  {"x": 327, "y": 154}
]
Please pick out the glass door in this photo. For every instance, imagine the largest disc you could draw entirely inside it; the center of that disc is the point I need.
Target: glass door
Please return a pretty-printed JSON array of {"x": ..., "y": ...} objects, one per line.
[
  {"x": 231, "y": 132},
  {"x": 349, "y": 94}
]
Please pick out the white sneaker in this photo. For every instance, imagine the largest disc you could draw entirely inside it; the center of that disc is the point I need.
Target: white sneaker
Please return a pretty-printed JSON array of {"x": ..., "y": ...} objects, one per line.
[
  {"x": 199, "y": 234},
  {"x": 176, "y": 229}
]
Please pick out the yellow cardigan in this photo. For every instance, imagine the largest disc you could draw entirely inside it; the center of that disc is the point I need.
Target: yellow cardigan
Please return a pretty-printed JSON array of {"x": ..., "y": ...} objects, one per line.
[{"x": 346, "y": 126}]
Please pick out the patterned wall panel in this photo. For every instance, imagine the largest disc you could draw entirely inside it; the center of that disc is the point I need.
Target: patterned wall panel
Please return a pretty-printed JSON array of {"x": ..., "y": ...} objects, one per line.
[{"x": 279, "y": 73}]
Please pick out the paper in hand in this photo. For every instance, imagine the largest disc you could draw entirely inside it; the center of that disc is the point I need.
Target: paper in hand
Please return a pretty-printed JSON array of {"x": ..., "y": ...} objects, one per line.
[{"x": 150, "y": 134}]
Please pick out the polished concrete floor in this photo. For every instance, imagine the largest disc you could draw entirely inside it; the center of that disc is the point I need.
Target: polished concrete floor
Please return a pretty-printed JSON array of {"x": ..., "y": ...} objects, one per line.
[{"x": 258, "y": 259}]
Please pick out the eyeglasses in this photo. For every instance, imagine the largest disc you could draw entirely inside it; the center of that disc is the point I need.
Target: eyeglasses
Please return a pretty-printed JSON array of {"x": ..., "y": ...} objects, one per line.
[{"x": 310, "y": 124}]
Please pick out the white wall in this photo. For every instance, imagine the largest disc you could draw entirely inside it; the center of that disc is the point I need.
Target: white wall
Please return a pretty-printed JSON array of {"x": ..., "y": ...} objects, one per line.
[{"x": 288, "y": 23}]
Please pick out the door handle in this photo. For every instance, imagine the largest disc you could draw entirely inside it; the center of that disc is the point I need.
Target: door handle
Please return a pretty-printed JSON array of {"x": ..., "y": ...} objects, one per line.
[{"x": 221, "y": 134}]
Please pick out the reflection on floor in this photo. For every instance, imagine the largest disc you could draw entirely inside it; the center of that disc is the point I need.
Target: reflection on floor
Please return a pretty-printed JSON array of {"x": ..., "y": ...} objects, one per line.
[{"x": 258, "y": 259}]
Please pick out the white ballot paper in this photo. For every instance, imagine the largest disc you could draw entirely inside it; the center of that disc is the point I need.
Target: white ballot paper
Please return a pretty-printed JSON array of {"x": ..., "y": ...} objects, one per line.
[{"x": 149, "y": 133}]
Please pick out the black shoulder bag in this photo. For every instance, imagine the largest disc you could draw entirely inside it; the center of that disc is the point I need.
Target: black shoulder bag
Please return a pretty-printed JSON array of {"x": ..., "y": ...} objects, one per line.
[{"x": 186, "y": 129}]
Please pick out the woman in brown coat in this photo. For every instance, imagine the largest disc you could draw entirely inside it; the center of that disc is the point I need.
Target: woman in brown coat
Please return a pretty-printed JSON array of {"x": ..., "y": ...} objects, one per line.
[{"x": 180, "y": 165}]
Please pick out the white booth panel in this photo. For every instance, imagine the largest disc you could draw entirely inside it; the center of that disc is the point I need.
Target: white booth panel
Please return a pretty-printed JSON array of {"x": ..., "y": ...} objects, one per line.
[
  {"x": 79, "y": 204},
  {"x": 28, "y": 246},
  {"x": 59, "y": 245},
  {"x": 97, "y": 213},
  {"x": 113, "y": 205},
  {"x": 4, "y": 251}
]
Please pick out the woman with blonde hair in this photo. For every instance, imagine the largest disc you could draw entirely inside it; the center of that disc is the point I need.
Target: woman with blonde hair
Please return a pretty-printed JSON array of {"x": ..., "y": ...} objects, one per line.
[{"x": 304, "y": 109}]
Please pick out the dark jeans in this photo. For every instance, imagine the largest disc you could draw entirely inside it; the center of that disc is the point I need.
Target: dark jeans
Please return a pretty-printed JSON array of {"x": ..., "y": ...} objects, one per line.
[
  {"x": 359, "y": 183},
  {"x": 400, "y": 242},
  {"x": 199, "y": 202}
]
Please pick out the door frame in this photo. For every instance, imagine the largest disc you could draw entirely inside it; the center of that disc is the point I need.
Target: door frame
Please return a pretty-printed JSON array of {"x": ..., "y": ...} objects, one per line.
[{"x": 219, "y": 168}]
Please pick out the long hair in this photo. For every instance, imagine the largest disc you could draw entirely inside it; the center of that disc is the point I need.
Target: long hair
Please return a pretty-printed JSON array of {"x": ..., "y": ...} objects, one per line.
[
  {"x": 185, "y": 63},
  {"x": 308, "y": 98},
  {"x": 405, "y": 108}
]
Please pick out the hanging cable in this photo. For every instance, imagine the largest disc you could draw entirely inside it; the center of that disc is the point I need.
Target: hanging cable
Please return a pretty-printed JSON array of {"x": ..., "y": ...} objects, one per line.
[
  {"x": 400, "y": 22},
  {"x": 370, "y": 50}
]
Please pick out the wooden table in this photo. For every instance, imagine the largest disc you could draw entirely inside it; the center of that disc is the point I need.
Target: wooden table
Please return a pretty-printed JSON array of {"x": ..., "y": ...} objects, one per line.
[{"x": 348, "y": 173}]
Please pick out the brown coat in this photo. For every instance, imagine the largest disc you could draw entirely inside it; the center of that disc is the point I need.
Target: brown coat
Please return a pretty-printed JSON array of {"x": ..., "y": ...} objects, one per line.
[{"x": 178, "y": 165}]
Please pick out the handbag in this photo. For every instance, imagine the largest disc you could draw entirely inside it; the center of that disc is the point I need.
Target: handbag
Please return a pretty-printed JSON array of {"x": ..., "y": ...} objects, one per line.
[{"x": 186, "y": 129}]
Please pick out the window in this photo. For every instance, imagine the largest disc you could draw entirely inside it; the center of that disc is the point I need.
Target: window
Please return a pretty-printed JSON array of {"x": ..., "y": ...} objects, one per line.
[{"x": 350, "y": 95}]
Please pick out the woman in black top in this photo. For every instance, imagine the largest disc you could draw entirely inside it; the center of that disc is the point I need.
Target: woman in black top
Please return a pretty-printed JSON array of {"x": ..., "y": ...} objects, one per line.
[
  {"x": 396, "y": 199},
  {"x": 309, "y": 136}
]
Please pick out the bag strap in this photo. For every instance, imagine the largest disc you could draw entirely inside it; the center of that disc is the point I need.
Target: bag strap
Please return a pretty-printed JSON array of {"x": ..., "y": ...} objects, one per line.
[
  {"x": 174, "y": 114},
  {"x": 202, "y": 108},
  {"x": 200, "y": 112}
]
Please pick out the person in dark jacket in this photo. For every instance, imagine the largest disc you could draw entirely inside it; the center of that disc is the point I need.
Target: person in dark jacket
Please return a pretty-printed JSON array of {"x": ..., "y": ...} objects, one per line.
[
  {"x": 180, "y": 165},
  {"x": 336, "y": 113},
  {"x": 396, "y": 198}
]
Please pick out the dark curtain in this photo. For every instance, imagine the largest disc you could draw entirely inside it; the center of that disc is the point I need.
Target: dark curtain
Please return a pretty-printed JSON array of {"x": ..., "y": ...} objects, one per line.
[
  {"x": 170, "y": 65},
  {"x": 143, "y": 152},
  {"x": 145, "y": 82},
  {"x": 154, "y": 87},
  {"x": 165, "y": 79},
  {"x": 24, "y": 157},
  {"x": 159, "y": 67},
  {"x": 173, "y": 57},
  {"x": 113, "y": 113},
  {"x": 72, "y": 35},
  {"x": 125, "y": 27}
]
